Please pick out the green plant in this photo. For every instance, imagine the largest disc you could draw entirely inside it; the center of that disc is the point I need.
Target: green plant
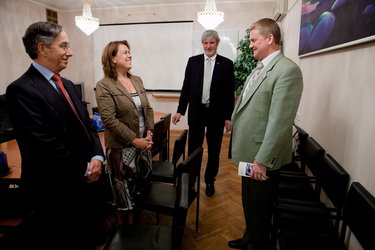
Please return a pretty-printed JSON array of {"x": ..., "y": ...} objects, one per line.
[{"x": 244, "y": 63}]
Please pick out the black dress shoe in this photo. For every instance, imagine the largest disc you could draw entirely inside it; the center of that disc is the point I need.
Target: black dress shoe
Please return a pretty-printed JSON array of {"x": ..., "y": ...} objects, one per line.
[
  {"x": 235, "y": 243},
  {"x": 210, "y": 189}
]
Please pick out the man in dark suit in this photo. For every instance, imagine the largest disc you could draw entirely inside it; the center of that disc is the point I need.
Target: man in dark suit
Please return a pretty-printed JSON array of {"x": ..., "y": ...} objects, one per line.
[
  {"x": 208, "y": 89},
  {"x": 62, "y": 157}
]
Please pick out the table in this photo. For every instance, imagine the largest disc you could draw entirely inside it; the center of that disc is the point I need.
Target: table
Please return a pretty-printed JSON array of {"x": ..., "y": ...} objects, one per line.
[{"x": 14, "y": 158}]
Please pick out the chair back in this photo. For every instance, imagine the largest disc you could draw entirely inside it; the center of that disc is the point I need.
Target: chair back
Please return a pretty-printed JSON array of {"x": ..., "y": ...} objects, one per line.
[
  {"x": 311, "y": 155},
  {"x": 182, "y": 189},
  {"x": 192, "y": 166},
  {"x": 167, "y": 134},
  {"x": 158, "y": 138},
  {"x": 158, "y": 131},
  {"x": 167, "y": 119},
  {"x": 359, "y": 215},
  {"x": 161, "y": 137},
  {"x": 300, "y": 138},
  {"x": 179, "y": 147},
  {"x": 181, "y": 206},
  {"x": 334, "y": 180}
]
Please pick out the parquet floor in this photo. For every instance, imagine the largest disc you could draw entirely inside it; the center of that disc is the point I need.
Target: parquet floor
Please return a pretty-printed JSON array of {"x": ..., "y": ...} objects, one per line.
[{"x": 221, "y": 216}]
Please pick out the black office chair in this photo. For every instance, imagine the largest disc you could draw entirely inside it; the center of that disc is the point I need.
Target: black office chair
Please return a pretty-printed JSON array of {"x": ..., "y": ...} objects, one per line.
[
  {"x": 311, "y": 216},
  {"x": 165, "y": 171},
  {"x": 156, "y": 237},
  {"x": 358, "y": 216},
  {"x": 161, "y": 196}
]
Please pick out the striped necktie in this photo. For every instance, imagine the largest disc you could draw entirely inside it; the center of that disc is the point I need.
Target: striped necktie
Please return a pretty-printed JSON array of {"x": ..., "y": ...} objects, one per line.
[{"x": 253, "y": 77}]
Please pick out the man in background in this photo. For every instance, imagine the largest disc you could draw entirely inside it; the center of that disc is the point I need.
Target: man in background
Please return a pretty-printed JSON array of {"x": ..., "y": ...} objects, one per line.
[
  {"x": 62, "y": 157},
  {"x": 208, "y": 89},
  {"x": 262, "y": 123}
]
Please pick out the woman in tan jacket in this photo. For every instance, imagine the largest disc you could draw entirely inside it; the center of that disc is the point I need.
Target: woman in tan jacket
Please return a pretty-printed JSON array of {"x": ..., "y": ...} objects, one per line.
[{"x": 128, "y": 121}]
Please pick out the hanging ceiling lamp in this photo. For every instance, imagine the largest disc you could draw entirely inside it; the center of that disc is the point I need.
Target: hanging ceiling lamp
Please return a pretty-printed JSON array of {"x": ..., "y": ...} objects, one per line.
[
  {"x": 210, "y": 18},
  {"x": 87, "y": 23}
]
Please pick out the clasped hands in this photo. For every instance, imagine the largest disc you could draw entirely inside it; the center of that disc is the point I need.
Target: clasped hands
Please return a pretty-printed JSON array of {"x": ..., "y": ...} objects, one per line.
[{"x": 143, "y": 143}]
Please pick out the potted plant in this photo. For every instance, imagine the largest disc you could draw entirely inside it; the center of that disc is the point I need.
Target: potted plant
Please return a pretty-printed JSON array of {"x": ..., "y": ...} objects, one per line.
[{"x": 244, "y": 63}]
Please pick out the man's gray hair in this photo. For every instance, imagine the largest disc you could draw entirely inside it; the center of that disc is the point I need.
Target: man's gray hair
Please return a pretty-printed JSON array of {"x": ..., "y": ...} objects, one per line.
[
  {"x": 44, "y": 32},
  {"x": 209, "y": 34}
]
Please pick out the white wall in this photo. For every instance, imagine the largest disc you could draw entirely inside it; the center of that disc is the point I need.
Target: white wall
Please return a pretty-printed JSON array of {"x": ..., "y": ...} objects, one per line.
[
  {"x": 337, "y": 105},
  {"x": 15, "y": 17},
  {"x": 338, "y": 100}
]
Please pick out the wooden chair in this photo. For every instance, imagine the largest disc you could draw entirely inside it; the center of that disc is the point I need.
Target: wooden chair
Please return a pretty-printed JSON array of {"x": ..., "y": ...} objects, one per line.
[
  {"x": 298, "y": 184},
  {"x": 161, "y": 196},
  {"x": 161, "y": 138},
  {"x": 166, "y": 128},
  {"x": 165, "y": 171},
  {"x": 155, "y": 237},
  {"x": 192, "y": 165},
  {"x": 299, "y": 138},
  {"x": 311, "y": 216},
  {"x": 358, "y": 217}
]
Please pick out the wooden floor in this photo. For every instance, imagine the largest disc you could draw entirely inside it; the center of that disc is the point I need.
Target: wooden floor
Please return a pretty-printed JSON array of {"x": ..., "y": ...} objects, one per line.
[{"x": 221, "y": 216}]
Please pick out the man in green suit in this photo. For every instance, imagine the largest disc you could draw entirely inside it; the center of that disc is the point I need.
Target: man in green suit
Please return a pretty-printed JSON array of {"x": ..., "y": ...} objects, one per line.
[{"x": 262, "y": 123}]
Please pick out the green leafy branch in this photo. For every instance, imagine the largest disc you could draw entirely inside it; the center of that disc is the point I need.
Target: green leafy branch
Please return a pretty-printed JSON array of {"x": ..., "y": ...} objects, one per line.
[{"x": 244, "y": 63}]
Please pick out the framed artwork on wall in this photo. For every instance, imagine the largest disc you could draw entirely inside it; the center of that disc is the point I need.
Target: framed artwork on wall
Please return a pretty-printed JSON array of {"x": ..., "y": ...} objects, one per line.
[{"x": 332, "y": 24}]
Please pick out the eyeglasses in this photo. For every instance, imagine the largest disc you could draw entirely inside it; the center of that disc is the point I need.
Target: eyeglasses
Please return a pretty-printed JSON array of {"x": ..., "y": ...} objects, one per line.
[{"x": 65, "y": 46}]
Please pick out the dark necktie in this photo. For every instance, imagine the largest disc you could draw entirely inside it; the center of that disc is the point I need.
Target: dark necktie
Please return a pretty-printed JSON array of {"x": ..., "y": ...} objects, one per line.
[{"x": 61, "y": 87}]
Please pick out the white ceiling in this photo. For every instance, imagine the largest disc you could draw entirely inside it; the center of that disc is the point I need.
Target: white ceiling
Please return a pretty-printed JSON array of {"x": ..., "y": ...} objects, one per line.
[{"x": 70, "y": 5}]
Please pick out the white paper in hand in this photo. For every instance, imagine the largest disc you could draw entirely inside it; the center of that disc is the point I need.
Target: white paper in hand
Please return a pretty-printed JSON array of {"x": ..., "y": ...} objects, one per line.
[{"x": 244, "y": 168}]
